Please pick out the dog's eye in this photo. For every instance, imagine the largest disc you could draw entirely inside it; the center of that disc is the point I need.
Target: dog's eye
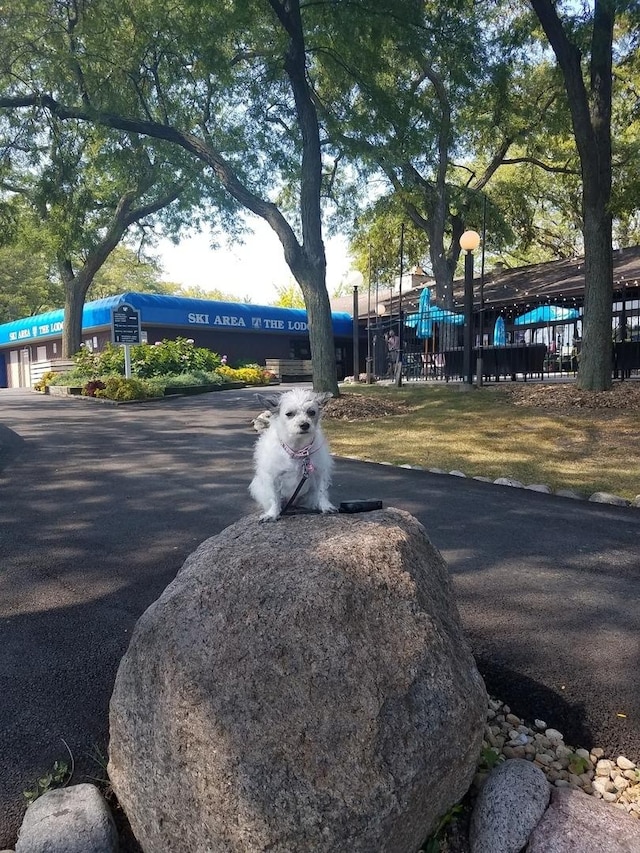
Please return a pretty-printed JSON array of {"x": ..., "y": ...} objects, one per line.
[
  {"x": 289, "y": 414},
  {"x": 311, "y": 413}
]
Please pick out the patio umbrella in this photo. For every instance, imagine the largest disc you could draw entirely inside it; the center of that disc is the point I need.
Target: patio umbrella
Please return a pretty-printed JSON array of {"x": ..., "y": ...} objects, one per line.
[
  {"x": 499, "y": 333},
  {"x": 429, "y": 314},
  {"x": 547, "y": 314}
]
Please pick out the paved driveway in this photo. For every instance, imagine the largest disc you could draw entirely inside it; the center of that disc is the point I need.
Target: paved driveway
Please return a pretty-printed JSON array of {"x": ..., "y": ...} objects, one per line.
[{"x": 100, "y": 505}]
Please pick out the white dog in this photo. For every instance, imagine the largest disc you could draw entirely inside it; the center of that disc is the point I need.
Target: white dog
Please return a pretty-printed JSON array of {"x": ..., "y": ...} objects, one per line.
[{"x": 291, "y": 456}]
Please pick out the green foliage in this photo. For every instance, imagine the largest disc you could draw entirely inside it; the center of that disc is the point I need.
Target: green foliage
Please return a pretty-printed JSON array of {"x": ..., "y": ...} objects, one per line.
[
  {"x": 57, "y": 777},
  {"x": 489, "y": 758},
  {"x": 122, "y": 389},
  {"x": 578, "y": 764},
  {"x": 74, "y": 377},
  {"x": 28, "y": 284},
  {"x": 289, "y": 296},
  {"x": 125, "y": 271},
  {"x": 148, "y": 360},
  {"x": 171, "y": 357},
  {"x": 434, "y": 842},
  {"x": 192, "y": 379}
]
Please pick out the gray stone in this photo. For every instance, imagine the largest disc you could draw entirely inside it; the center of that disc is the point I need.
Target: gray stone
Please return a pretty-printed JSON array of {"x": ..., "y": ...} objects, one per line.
[
  {"x": 509, "y": 805},
  {"x": 68, "y": 820},
  {"x": 509, "y": 481},
  {"x": 539, "y": 487},
  {"x": 636, "y": 501},
  {"x": 457, "y": 473},
  {"x": 578, "y": 823},
  {"x": 569, "y": 493},
  {"x": 606, "y": 498},
  {"x": 300, "y": 686}
]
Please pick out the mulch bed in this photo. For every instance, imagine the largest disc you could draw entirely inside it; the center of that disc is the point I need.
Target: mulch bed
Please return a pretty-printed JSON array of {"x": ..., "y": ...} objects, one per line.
[{"x": 562, "y": 398}]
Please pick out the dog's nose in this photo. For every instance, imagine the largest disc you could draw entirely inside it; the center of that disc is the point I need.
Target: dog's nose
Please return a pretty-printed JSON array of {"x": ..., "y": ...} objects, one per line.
[{"x": 304, "y": 426}]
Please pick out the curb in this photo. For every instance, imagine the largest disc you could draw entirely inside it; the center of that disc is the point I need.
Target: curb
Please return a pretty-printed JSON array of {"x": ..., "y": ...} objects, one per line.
[{"x": 596, "y": 497}]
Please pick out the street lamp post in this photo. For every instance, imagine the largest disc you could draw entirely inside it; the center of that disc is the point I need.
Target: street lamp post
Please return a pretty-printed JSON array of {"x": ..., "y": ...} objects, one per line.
[{"x": 469, "y": 242}]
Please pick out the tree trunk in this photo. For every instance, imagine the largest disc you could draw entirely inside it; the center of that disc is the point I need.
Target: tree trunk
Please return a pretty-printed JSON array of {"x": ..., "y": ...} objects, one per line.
[
  {"x": 75, "y": 293},
  {"x": 596, "y": 353},
  {"x": 320, "y": 331},
  {"x": 591, "y": 118}
]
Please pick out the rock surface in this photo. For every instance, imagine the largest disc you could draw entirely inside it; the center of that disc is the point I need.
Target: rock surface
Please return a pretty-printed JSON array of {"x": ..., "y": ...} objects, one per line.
[
  {"x": 510, "y": 804},
  {"x": 577, "y": 823},
  {"x": 68, "y": 820},
  {"x": 300, "y": 686}
]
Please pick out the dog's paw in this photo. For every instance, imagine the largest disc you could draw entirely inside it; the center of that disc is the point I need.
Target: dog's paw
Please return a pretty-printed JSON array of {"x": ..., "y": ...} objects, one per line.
[
  {"x": 327, "y": 507},
  {"x": 268, "y": 516}
]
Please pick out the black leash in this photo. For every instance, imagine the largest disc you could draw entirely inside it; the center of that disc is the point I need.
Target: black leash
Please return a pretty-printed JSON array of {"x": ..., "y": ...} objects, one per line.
[{"x": 305, "y": 477}]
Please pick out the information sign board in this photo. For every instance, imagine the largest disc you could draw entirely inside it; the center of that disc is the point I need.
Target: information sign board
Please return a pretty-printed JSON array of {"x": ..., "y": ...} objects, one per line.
[{"x": 125, "y": 324}]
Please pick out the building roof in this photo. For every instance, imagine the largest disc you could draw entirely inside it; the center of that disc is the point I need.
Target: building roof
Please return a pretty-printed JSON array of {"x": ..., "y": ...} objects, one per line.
[
  {"x": 172, "y": 311},
  {"x": 521, "y": 287}
]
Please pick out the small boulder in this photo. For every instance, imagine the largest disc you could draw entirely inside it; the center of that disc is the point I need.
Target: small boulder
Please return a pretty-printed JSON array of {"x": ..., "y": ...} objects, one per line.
[
  {"x": 578, "y": 823},
  {"x": 300, "y": 686},
  {"x": 510, "y": 803},
  {"x": 68, "y": 820}
]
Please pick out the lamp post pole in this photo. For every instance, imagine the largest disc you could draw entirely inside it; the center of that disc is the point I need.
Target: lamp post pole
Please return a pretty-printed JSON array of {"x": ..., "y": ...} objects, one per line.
[
  {"x": 356, "y": 352},
  {"x": 398, "y": 376},
  {"x": 369, "y": 357},
  {"x": 469, "y": 242},
  {"x": 479, "y": 363}
]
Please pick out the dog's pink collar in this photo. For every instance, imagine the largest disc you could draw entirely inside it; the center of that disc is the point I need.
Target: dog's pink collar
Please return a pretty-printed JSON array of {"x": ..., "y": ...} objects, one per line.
[{"x": 303, "y": 454}]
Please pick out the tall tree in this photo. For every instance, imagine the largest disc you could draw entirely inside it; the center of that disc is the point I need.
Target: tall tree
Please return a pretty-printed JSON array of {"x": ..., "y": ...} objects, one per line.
[
  {"x": 590, "y": 105},
  {"x": 227, "y": 83},
  {"x": 28, "y": 281},
  {"x": 126, "y": 271}
]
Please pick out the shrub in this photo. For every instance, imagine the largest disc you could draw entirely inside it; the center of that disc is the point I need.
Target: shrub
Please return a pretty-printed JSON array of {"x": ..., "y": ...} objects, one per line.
[
  {"x": 90, "y": 388},
  {"x": 120, "y": 388},
  {"x": 71, "y": 377},
  {"x": 251, "y": 374},
  {"x": 172, "y": 357},
  {"x": 192, "y": 378},
  {"x": 45, "y": 380},
  {"x": 147, "y": 360}
]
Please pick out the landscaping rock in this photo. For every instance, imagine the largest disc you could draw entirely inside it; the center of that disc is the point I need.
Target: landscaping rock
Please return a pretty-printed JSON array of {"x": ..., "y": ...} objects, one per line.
[
  {"x": 509, "y": 481},
  {"x": 68, "y": 820},
  {"x": 301, "y": 686},
  {"x": 606, "y": 498},
  {"x": 510, "y": 803},
  {"x": 577, "y": 823}
]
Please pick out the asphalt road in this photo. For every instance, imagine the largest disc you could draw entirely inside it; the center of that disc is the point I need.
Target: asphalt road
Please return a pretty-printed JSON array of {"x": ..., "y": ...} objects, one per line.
[{"x": 100, "y": 505}]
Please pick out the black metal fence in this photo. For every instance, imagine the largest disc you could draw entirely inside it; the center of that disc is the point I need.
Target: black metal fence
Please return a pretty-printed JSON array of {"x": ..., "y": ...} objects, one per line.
[{"x": 434, "y": 350}]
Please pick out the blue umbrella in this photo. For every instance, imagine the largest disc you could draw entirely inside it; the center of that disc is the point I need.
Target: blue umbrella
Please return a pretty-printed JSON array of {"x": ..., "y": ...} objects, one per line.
[
  {"x": 429, "y": 314},
  {"x": 547, "y": 314},
  {"x": 499, "y": 333}
]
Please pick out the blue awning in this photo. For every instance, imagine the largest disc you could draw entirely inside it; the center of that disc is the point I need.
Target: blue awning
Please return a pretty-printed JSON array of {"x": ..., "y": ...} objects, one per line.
[{"x": 174, "y": 311}]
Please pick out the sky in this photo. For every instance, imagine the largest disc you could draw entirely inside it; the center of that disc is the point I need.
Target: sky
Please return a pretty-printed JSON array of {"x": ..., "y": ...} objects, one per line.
[{"x": 254, "y": 268}]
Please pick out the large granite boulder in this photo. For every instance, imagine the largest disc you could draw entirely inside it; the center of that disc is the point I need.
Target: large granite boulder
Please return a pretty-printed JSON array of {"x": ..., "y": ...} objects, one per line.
[{"x": 300, "y": 686}]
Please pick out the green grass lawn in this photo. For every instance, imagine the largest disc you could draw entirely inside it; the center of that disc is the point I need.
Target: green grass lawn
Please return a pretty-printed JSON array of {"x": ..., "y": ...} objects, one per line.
[{"x": 483, "y": 433}]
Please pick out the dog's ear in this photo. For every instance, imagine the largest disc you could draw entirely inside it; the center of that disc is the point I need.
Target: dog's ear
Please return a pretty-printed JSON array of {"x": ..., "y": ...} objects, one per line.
[
  {"x": 271, "y": 401},
  {"x": 323, "y": 398}
]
